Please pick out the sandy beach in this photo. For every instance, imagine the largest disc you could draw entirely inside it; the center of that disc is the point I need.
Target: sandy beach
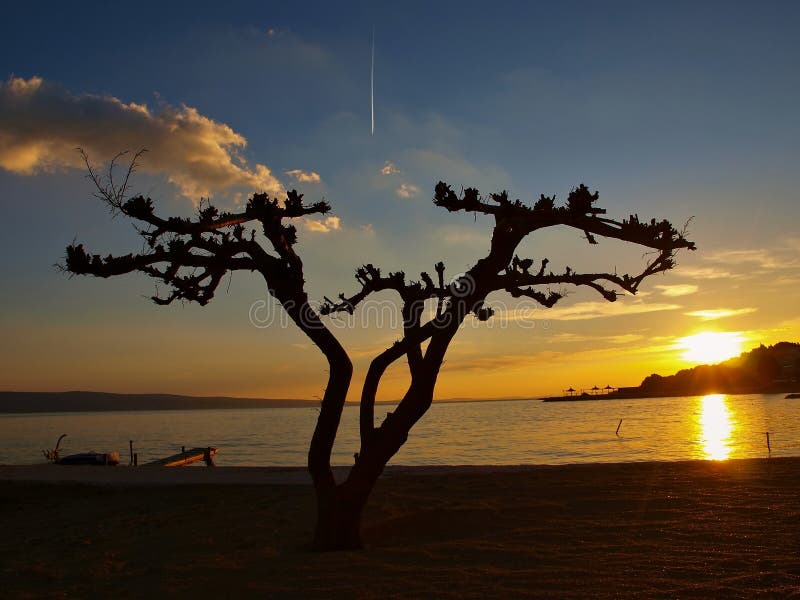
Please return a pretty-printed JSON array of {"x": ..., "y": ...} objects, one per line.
[{"x": 638, "y": 530}]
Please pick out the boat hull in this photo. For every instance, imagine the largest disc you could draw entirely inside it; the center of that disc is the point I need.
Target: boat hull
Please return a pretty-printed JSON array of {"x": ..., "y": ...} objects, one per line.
[{"x": 91, "y": 458}]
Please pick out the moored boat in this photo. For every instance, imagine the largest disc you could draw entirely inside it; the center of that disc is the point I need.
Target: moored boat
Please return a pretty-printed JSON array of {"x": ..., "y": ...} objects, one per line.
[
  {"x": 82, "y": 458},
  {"x": 90, "y": 458}
]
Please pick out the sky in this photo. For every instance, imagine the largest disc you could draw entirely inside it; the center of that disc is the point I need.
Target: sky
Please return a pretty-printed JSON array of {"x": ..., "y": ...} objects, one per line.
[{"x": 676, "y": 110}]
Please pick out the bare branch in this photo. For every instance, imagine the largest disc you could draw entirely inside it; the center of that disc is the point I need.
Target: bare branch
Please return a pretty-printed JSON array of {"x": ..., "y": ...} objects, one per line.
[{"x": 107, "y": 190}]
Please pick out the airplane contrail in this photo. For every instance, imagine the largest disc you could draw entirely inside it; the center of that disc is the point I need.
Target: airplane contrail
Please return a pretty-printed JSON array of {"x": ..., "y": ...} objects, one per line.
[{"x": 372, "y": 85}]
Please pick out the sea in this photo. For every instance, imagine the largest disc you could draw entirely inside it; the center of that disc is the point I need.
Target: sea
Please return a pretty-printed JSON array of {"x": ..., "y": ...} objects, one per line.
[{"x": 496, "y": 432}]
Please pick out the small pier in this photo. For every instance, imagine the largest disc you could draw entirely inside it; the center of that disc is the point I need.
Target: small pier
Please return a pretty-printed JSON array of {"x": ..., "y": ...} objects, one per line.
[{"x": 187, "y": 457}]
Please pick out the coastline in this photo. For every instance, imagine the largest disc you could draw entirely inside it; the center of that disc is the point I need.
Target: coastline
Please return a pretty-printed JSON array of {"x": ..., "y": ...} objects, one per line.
[
  {"x": 622, "y": 530},
  {"x": 15, "y": 403},
  {"x": 12, "y": 403},
  {"x": 637, "y": 394}
]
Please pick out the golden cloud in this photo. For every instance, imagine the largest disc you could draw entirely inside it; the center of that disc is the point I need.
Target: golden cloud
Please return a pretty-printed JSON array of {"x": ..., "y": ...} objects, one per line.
[
  {"x": 325, "y": 225},
  {"x": 41, "y": 124},
  {"x": 760, "y": 258},
  {"x": 678, "y": 289},
  {"x": 720, "y": 313},
  {"x": 706, "y": 273},
  {"x": 595, "y": 310},
  {"x": 505, "y": 362},
  {"x": 407, "y": 190},
  {"x": 625, "y": 338},
  {"x": 389, "y": 168},
  {"x": 303, "y": 177}
]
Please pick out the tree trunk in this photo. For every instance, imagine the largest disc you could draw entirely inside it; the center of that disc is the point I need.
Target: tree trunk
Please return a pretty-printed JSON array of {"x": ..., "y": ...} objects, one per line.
[{"x": 339, "y": 513}]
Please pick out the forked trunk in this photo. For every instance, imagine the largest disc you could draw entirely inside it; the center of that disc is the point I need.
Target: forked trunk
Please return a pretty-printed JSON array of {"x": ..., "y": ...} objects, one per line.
[{"x": 340, "y": 507}]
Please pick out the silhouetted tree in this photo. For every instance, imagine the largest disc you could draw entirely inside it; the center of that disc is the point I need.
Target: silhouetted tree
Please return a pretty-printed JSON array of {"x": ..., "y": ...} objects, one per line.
[{"x": 192, "y": 255}]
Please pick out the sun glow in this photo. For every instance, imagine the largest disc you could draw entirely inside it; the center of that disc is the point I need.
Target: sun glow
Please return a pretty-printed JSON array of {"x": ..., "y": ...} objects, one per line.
[
  {"x": 716, "y": 427},
  {"x": 711, "y": 347}
]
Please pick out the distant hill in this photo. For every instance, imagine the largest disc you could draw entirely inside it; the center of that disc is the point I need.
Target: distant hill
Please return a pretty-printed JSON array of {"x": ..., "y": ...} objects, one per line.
[
  {"x": 42, "y": 402},
  {"x": 762, "y": 370},
  {"x": 37, "y": 402}
]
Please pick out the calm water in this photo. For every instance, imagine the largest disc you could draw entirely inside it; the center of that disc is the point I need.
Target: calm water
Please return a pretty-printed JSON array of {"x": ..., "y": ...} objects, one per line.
[{"x": 502, "y": 432}]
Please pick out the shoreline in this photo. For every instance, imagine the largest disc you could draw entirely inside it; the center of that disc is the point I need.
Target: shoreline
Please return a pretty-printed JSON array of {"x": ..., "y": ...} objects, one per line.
[
  {"x": 701, "y": 529},
  {"x": 652, "y": 396},
  {"x": 155, "y": 476},
  {"x": 144, "y": 476},
  {"x": 36, "y": 403}
]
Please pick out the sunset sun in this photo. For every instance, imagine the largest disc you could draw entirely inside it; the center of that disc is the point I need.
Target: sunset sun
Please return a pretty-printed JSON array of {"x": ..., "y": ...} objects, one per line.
[{"x": 711, "y": 347}]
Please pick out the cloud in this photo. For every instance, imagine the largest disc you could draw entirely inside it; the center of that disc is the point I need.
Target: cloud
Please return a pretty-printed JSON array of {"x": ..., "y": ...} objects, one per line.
[
  {"x": 325, "y": 225},
  {"x": 625, "y": 338},
  {"x": 741, "y": 264},
  {"x": 41, "y": 124},
  {"x": 705, "y": 273},
  {"x": 596, "y": 310},
  {"x": 389, "y": 168},
  {"x": 760, "y": 258},
  {"x": 22, "y": 87},
  {"x": 720, "y": 313},
  {"x": 505, "y": 362},
  {"x": 527, "y": 313},
  {"x": 525, "y": 361},
  {"x": 303, "y": 177},
  {"x": 791, "y": 243},
  {"x": 407, "y": 190},
  {"x": 568, "y": 338},
  {"x": 787, "y": 281},
  {"x": 782, "y": 256},
  {"x": 679, "y": 289}
]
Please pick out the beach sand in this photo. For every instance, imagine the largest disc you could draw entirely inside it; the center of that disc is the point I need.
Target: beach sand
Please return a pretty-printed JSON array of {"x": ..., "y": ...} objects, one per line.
[{"x": 639, "y": 530}]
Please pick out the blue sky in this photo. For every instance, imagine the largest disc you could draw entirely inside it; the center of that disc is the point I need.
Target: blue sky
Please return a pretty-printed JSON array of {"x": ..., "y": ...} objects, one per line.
[{"x": 671, "y": 110}]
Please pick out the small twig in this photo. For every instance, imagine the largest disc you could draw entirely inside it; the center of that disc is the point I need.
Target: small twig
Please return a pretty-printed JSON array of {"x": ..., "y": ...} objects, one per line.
[{"x": 107, "y": 190}]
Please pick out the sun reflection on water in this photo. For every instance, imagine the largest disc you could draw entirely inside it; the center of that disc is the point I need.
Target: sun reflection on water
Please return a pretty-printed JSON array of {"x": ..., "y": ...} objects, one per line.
[{"x": 716, "y": 427}]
